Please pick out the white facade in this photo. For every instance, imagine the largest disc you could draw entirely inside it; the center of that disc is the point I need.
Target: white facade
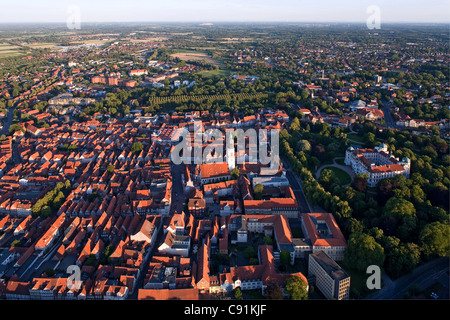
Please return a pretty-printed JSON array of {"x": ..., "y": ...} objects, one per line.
[{"x": 377, "y": 163}]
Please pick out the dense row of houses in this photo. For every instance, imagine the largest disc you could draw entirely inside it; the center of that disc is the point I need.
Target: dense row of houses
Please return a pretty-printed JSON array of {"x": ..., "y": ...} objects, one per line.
[{"x": 108, "y": 223}]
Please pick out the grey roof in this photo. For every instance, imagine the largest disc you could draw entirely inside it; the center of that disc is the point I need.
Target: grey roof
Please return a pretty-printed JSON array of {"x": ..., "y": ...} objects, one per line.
[{"x": 329, "y": 265}]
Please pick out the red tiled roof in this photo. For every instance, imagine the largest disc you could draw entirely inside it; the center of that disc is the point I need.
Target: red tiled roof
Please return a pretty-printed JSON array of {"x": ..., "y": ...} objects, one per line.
[
  {"x": 211, "y": 170},
  {"x": 337, "y": 238}
]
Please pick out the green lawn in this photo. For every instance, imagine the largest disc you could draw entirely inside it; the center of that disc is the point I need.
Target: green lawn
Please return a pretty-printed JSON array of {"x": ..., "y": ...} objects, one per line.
[
  {"x": 356, "y": 139},
  {"x": 341, "y": 175}
]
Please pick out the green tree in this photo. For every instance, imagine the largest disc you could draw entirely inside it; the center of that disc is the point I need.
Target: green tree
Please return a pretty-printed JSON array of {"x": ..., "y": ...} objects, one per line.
[
  {"x": 405, "y": 214},
  {"x": 235, "y": 173},
  {"x": 16, "y": 243},
  {"x": 434, "y": 239},
  {"x": 285, "y": 257},
  {"x": 362, "y": 251},
  {"x": 238, "y": 293},
  {"x": 304, "y": 145},
  {"x": 249, "y": 252},
  {"x": 297, "y": 288},
  {"x": 273, "y": 292},
  {"x": 369, "y": 138},
  {"x": 267, "y": 240},
  {"x": 258, "y": 190},
  {"x": 110, "y": 168},
  {"x": 137, "y": 147},
  {"x": 45, "y": 212},
  {"x": 295, "y": 124},
  {"x": 360, "y": 182},
  {"x": 402, "y": 259}
]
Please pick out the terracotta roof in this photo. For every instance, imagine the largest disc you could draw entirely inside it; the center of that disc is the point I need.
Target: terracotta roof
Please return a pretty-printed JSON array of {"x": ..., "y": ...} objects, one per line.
[
  {"x": 17, "y": 287},
  {"x": 211, "y": 170},
  {"x": 336, "y": 238}
]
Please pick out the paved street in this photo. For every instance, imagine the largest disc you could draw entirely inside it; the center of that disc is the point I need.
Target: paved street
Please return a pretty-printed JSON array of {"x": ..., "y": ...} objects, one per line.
[
  {"x": 153, "y": 250},
  {"x": 388, "y": 119},
  {"x": 8, "y": 121},
  {"x": 425, "y": 275},
  {"x": 296, "y": 186},
  {"x": 178, "y": 197}
]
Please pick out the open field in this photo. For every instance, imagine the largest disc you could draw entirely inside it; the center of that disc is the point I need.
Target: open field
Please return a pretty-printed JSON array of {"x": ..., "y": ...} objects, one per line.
[
  {"x": 41, "y": 45},
  {"x": 212, "y": 73},
  {"x": 193, "y": 56},
  {"x": 198, "y": 55},
  {"x": 150, "y": 39},
  {"x": 8, "y": 50}
]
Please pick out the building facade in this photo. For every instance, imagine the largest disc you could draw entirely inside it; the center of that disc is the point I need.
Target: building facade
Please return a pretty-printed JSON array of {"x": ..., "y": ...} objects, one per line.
[
  {"x": 331, "y": 279},
  {"x": 377, "y": 163}
]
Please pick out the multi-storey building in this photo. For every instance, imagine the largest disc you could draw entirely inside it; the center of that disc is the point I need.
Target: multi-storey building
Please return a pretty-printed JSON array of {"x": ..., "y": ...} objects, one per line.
[
  {"x": 377, "y": 163},
  {"x": 274, "y": 206},
  {"x": 330, "y": 278},
  {"x": 321, "y": 234}
]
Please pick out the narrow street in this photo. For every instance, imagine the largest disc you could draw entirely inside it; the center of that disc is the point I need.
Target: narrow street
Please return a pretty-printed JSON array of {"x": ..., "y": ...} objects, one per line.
[
  {"x": 8, "y": 122},
  {"x": 178, "y": 197},
  {"x": 176, "y": 207}
]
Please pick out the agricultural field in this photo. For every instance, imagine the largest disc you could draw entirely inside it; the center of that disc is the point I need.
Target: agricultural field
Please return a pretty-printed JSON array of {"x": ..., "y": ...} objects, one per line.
[
  {"x": 193, "y": 56},
  {"x": 212, "y": 73},
  {"x": 41, "y": 45},
  {"x": 8, "y": 50}
]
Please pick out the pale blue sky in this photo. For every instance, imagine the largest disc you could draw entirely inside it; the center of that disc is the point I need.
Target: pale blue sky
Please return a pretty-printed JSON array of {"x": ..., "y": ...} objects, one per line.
[{"x": 224, "y": 10}]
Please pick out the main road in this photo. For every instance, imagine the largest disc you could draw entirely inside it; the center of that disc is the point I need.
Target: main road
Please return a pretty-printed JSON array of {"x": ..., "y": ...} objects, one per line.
[
  {"x": 388, "y": 119},
  {"x": 424, "y": 275},
  {"x": 296, "y": 186}
]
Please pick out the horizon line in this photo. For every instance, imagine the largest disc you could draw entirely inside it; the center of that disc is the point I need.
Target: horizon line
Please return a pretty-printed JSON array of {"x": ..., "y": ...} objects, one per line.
[{"x": 226, "y": 21}]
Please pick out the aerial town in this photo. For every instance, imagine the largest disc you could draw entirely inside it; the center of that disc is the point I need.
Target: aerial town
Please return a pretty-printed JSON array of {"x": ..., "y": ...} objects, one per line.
[{"x": 90, "y": 119}]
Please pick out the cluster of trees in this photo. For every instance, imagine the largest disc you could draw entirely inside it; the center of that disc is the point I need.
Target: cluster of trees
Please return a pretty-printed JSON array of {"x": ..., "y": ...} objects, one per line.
[
  {"x": 312, "y": 144},
  {"x": 399, "y": 224},
  {"x": 52, "y": 200},
  {"x": 239, "y": 97}
]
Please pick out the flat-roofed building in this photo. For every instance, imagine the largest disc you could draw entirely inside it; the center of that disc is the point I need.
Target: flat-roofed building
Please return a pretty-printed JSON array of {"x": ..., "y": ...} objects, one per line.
[{"x": 331, "y": 279}]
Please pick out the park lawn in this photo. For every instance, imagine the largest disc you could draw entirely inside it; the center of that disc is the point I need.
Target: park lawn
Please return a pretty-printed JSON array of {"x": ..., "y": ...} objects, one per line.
[
  {"x": 355, "y": 138},
  {"x": 343, "y": 176}
]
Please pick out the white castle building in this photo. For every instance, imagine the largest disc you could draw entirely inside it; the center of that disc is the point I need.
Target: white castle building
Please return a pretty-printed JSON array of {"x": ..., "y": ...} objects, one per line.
[{"x": 378, "y": 163}]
